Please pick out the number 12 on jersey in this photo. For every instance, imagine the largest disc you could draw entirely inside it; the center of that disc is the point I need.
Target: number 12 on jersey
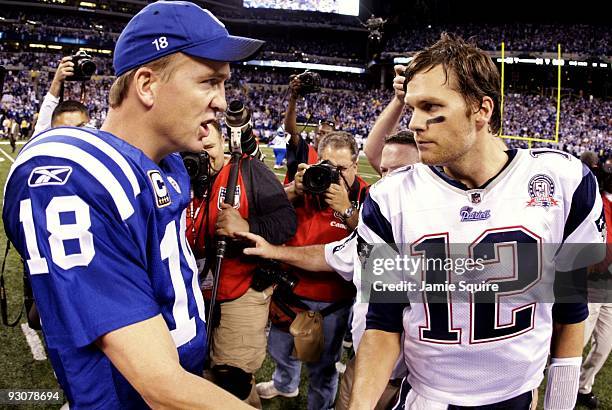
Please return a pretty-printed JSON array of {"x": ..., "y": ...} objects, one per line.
[{"x": 484, "y": 306}]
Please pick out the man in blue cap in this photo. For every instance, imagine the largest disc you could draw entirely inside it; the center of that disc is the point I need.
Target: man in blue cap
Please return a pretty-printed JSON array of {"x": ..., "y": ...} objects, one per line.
[{"x": 99, "y": 218}]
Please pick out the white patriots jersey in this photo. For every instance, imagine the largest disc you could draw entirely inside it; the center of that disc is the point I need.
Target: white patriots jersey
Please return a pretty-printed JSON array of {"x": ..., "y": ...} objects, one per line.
[
  {"x": 470, "y": 353},
  {"x": 101, "y": 228}
]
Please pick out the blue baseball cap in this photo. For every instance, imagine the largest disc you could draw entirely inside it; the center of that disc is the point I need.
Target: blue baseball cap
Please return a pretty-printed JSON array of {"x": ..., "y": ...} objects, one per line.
[{"x": 167, "y": 27}]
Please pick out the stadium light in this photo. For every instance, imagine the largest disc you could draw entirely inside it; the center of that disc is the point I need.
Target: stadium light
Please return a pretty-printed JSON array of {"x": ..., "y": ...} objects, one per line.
[{"x": 308, "y": 66}]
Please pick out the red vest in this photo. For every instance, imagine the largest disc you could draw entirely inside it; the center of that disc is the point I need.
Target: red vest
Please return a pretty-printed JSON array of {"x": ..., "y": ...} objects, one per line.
[
  {"x": 236, "y": 273},
  {"x": 320, "y": 227},
  {"x": 604, "y": 265}
]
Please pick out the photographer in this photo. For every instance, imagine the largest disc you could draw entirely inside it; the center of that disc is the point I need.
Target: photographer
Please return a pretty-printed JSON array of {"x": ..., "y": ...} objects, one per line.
[
  {"x": 239, "y": 343},
  {"x": 71, "y": 113},
  {"x": 322, "y": 218},
  {"x": 298, "y": 150}
]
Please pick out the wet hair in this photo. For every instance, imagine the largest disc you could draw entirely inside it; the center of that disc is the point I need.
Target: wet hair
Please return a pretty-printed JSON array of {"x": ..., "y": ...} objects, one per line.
[{"x": 473, "y": 73}]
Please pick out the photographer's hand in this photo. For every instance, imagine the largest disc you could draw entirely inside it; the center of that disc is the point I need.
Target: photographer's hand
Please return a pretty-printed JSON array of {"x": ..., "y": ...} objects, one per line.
[
  {"x": 296, "y": 189},
  {"x": 230, "y": 221},
  {"x": 64, "y": 69},
  {"x": 337, "y": 198},
  {"x": 299, "y": 179}
]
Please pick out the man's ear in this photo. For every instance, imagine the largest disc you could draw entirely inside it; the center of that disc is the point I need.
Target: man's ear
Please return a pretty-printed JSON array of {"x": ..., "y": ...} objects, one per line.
[
  {"x": 485, "y": 112},
  {"x": 145, "y": 84}
]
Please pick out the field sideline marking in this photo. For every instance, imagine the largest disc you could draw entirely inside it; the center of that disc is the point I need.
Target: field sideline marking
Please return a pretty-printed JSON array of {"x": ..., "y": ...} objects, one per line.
[
  {"x": 36, "y": 346},
  {"x": 7, "y": 155}
]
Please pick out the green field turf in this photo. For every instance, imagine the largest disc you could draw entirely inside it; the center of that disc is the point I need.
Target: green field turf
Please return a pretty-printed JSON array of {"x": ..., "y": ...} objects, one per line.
[{"x": 18, "y": 369}]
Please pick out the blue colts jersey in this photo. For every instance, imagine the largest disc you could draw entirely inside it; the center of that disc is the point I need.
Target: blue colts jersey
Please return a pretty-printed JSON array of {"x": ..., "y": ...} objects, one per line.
[{"x": 102, "y": 230}]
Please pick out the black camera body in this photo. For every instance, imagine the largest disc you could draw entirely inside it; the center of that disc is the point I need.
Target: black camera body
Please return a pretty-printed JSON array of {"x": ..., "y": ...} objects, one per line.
[
  {"x": 310, "y": 82},
  {"x": 238, "y": 119},
  {"x": 318, "y": 178},
  {"x": 198, "y": 168},
  {"x": 270, "y": 273},
  {"x": 84, "y": 67}
]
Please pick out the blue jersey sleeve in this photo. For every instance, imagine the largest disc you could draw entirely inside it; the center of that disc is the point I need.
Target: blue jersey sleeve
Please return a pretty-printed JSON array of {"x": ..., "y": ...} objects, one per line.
[{"x": 75, "y": 223}]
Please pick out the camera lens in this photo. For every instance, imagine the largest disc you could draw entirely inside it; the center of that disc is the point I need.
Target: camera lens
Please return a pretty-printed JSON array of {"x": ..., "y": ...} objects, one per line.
[
  {"x": 87, "y": 67},
  {"x": 317, "y": 179},
  {"x": 236, "y": 115},
  {"x": 192, "y": 167}
]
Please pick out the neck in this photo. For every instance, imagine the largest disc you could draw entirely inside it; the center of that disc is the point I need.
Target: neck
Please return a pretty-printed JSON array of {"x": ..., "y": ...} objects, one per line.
[
  {"x": 479, "y": 165},
  {"x": 121, "y": 123}
]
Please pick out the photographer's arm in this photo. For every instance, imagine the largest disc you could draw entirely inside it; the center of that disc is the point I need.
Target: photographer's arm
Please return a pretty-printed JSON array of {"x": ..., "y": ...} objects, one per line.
[
  {"x": 52, "y": 99},
  {"x": 387, "y": 122},
  {"x": 271, "y": 215},
  {"x": 311, "y": 258},
  {"x": 290, "y": 115}
]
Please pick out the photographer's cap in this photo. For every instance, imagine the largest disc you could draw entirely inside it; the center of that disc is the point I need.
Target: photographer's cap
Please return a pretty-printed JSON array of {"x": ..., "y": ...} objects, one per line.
[{"x": 167, "y": 27}]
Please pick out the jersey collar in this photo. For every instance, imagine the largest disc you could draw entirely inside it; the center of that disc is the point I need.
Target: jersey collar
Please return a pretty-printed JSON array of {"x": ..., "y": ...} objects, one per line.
[{"x": 438, "y": 171}]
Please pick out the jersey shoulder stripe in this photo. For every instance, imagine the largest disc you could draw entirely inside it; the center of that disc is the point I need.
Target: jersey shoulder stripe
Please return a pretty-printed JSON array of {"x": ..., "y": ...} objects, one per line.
[
  {"x": 375, "y": 221},
  {"x": 96, "y": 141},
  {"x": 583, "y": 201},
  {"x": 89, "y": 164}
]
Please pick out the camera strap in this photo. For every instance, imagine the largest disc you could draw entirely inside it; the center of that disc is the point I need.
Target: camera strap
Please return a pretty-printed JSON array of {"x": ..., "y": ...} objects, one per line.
[
  {"x": 3, "y": 298},
  {"x": 287, "y": 300}
]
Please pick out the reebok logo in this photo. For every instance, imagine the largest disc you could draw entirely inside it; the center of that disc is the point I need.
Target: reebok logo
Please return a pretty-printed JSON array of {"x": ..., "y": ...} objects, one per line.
[{"x": 49, "y": 175}]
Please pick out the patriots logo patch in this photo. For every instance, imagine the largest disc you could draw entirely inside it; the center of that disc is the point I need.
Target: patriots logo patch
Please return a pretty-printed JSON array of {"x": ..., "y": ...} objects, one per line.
[{"x": 49, "y": 175}]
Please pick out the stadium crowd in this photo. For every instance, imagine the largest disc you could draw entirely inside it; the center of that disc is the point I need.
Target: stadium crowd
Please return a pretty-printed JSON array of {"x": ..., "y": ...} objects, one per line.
[
  {"x": 579, "y": 39},
  {"x": 584, "y": 122},
  {"x": 587, "y": 40}
]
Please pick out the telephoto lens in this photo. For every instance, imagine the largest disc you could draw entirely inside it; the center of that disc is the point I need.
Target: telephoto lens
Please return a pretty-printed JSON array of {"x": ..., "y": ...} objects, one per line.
[{"x": 238, "y": 119}]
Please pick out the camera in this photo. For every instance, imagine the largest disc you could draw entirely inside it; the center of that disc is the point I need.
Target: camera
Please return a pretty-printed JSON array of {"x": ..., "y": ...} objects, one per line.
[
  {"x": 238, "y": 119},
  {"x": 84, "y": 67},
  {"x": 198, "y": 168},
  {"x": 310, "y": 82},
  {"x": 318, "y": 178},
  {"x": 270, "y": 273}
]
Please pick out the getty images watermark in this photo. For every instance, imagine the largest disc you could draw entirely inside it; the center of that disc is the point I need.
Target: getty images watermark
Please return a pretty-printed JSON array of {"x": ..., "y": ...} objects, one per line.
[{"x": 434, "y": 270}]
